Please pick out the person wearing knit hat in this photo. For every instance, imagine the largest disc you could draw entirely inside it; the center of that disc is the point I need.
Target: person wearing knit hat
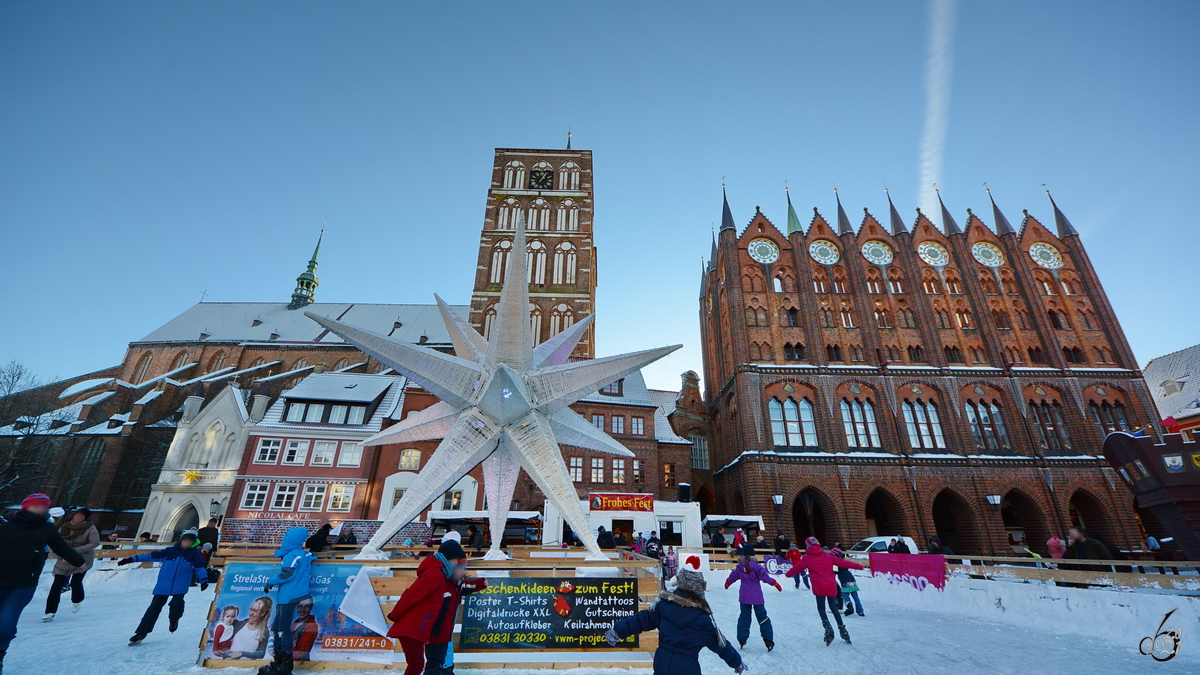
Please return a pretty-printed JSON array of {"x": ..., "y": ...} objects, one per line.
[
  {"x": 181, "y": 564},
  {"x": 81, "y": 534},
  {"x": 1056, "y": 547},
  {"x": 685, "y": 625},
  {"x": 752, "y": 576},
  {"x": 423, "y": 618},
  {"x": 820, "y": 565},
  {"x": 24, "y": 537},
  {"x": 849, "y": 586}
]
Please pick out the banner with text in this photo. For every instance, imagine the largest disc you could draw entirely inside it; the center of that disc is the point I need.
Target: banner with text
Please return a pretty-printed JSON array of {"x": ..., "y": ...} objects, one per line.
[
  {"x": 240, "y": 628},
  {"x": 918, "y": 569},
  {"x": 621, "y": 502},
  {"x": 547, "y": 613},
  {"x": 776, "y": 564}
]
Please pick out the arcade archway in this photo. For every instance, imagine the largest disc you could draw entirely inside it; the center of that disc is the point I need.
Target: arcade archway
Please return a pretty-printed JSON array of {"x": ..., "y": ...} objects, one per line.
[
  {"x": 812, "y": 516},
  {"x": 1024, "y": 523},
  {"x": 186, "y": 518},
  {"x": 954, "y": 523},
  {"x": 884, "y": 514},
  {"x": 1089, "y": 512}
]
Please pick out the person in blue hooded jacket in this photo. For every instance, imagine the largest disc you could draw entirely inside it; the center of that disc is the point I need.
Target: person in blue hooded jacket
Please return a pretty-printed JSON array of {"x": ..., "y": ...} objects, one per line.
[
  {"x": 292, "y": 582},
  {"x": 181, "y": 564}
]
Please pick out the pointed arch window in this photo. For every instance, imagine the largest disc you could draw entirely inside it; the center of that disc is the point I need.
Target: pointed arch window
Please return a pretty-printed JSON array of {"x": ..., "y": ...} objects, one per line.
[
  {"x": 539, "y": 215},
  {"x": 820, "y": 283},
  {"x": 839, "y": 282},
  {"x": 489, "y": 318},
  {"x": 1109, "y": 417},
  {"x": 953, "y": 355},
  {"x": 561, "y": 318},
  {"x": 826, "y": 317},
  {"x": 514, "y": 175},
  {"x": 931, "y": 284},
  {"x": 916, "y": 354},
  {"x": 833, "y": 352},
  {"x": 906, "y": 319},
  {"x": 1036, "y": 355},
  {"x": 535, "y": 324},
  {"x": 922, "y": 424},
  {"x": 987, "y": 424},
  {"x": 1074, "y": 355},
  {"x": 790, "y": 317},
  {"x": 1001, "y": 319},
  {"x": 179, "y": 362},
  {"x": 793, "y": 352},
  {"x": 858, "y": 421},
  {"x": 847, "y": 318},
  {"x": 989, "y": 284},
  {"x": 883, "y": 318},
  {"x": 895, "y": 281},
  {"x": 1047, "y": 418},
  {"x": 537, "y": 263},
  {"x": 217, "y": 362},
  {"x": 874, "y": 282},
  {"x": 567, "y": 219},
  {"x": 564, "y": 264},
  {"x": 568, "y": 176},
  {"x": 142, "y": 367},
  {"x": 1010, "y": 284},
  {"x": 962, "y": 317},
  {"x": 1058, "y": 320},
  {"x": 499, "y": 261},
  {"x": 943, "y": 318},
  {"x": 508, "y": 214},
  {"x": 792, "y": 422}
]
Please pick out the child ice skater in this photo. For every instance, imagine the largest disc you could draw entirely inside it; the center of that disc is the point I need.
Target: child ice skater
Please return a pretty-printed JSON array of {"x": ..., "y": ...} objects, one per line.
[
  {"x": 750, "y": 595},
  {"x": 685, "y": 625},
  {"x": 292, "y": 582},
  {"x": 820, "y": 565},
  {"x": 793, "y": 555},
  {"x": 181, "y": 564},
  {"x": 849, "y": 586}
]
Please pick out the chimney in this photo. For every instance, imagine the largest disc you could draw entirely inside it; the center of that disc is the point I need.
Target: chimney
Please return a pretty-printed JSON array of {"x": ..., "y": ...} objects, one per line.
[
  {"x": 191, "y": 407},
  {"x": 262, "y": 401}
]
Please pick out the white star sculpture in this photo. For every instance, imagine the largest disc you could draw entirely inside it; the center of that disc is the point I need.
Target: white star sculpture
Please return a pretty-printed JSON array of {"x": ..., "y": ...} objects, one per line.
[{"x": 503, "y": 403}]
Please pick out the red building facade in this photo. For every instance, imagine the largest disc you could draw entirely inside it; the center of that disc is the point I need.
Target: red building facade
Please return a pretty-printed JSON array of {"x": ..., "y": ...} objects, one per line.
[{"x": 879, "y": 381}]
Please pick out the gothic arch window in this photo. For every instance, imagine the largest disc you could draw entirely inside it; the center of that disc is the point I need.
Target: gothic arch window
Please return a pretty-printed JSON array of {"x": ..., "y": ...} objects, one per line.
[
  {"x": 752, "y": 281},
  {"x": 1102, "y": 355},
  {"x": 987, "y": 424},
  {"x": 142, "y": 367},
  {"x": 1047, "y": 418},
  {"x": 1058, "y": 320},
  {"x": 839, "y": 281},
  {"x": 953, "y": 355},
  {"x": 508, "y": 214},
  {"x": 568, "y": 176},
  {"x": 1045, "y": 283},
  {"x": 1022, "y": 319},
  {"x": 943, "y": 318},
  {"x": 1070, "y": 285},
  {"x": 1036, "y": 355},
  {"x": 564, "y": 263},
  {"x": 539, "y": 215},
  {"x": 883, "y": 318},
  {"x": 567, "y": 219},
  {"x": 217, "y": 362},
  {"x": 906, "y": 319},
  {"x": 1012, "y": 354},
  {"x": 784, "y": 283},
  {"x": 301, "y": 363},
  {"x": 789, "y": 317},
  {"x": 858, "y": 421},
  {"x": 535, "y": 323},
  {"x": 1009, "y": 283},
  {"x": 179, "y": 361},
  {"x": 989, "y": 283},
  {"x": 953, "y": 284},
  {"x": 260, "y": 361},
  {"x": 500, "y": 253},
  {"x": 537, "y": 263},
  {"x": 856, "y": 353},
  {"x": 833, "y": 352},
  {"x": 778, "y": 285},
  {"x": 893, "y": 353},
  {"x": 792, "y": 422},
  {"x": 962, "y": 317},
  {"x": 826, "y": 317},
  {"x": 514, "y": 175},
  {"x": 212, "y": 435},
  {"x": 931, "y": 284},
  {"x": 341, "y": 364},
  {"x": 922, "y": 424},
  {"x": 820, "y": 282},
  {"x": 1074, "y": 355},
  {"x": 1109, "y": 417},
  {"x": 793, "y": 352},
  {"x": 895, "y": 280},
  {"x": 561, "y": 318},
  {"x": 916, "y": 354},
  {"x": 1088, "y": 318},
  {"x": 1001, "y": 319},
  {"x": 874, "y": 281},
  {"x": 193, "y": 446},
  {"x": 847, "y": 317},
  {"x": 489, "y": 318}
]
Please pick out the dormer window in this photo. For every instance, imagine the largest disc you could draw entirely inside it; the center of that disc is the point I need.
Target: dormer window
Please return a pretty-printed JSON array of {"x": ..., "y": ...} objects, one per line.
[
  {"x": 614, "y": 389},
  {"x": 1171, "y": 387},
  {"x": 313, "y": 412}
]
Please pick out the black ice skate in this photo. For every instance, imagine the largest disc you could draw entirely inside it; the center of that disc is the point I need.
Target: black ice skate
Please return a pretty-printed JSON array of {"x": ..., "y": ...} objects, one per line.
[
  {"x": 845, "y": 634},
  {"x": 137, "y": 637},
  {"x": 828, "y": 633},
  {"x": 769, "y": 643}
]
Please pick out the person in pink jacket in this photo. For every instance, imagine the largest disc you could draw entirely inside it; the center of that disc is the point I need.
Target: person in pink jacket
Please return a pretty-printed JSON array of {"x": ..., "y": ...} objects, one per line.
[{"x": 823, "y": 577}]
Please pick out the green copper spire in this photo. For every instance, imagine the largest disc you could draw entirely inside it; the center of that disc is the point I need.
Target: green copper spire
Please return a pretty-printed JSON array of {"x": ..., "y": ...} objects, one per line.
[
  {"x": 793, "y": 224},
  {"x": 306, "y": 283}
]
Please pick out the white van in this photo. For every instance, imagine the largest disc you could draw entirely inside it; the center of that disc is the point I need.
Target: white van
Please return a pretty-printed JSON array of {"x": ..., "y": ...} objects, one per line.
[{"x": 878, "y": 545}]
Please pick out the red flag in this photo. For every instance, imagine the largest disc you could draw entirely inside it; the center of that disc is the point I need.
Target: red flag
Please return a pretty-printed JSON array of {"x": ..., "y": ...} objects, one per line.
[{"x": 1169, "y": 422}]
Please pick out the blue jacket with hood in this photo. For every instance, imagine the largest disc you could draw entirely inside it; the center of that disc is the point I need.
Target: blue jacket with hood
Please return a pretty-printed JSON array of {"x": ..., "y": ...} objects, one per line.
[
  {"x": 292, "y": 579},
  {"x": 179, "y": 567}
]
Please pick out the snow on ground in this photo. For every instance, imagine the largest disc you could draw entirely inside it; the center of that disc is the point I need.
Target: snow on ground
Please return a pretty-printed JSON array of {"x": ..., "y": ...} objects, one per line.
[{"x": 975, "y": 626}]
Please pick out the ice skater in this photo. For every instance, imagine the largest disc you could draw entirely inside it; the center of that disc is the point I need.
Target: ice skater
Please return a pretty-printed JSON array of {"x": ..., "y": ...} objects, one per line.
[
  {"x": 820, "y": 565},
  {"x": 752, "y": 576},
  {"x": 181, "y": 564},
  {"x": 81, "y": 535},
  {"x": 292, "y": 582},
  {"x": 849, "y": 586},
  {"x": 685, "y": 625},
  {"x": 792, "y": 556}
]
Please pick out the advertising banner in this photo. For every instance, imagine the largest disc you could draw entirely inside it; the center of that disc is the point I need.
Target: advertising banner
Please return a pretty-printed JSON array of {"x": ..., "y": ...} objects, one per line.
[
  {"x": 547, "y": 613},
  {"x": 919, "y": 570},
  {"x": 621, "y": 502},
  {"x": 241, "y": 626},
  {"x": 776, "y": 564}
]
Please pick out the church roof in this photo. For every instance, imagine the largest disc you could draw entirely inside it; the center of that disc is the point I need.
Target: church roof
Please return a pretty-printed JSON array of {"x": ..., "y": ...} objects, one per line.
[{"x": 258, "y": 321}]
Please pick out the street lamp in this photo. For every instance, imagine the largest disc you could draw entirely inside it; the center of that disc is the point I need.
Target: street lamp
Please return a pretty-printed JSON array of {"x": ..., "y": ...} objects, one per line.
[
  {"x": 214, "y": 508},
  {"x": 778, "y": 499},
  {"x": 994, "y": 500}
]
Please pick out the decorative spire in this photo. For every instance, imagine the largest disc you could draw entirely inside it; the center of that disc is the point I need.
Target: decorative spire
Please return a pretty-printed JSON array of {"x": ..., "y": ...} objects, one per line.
[
  {"x": 712, "y": 257},
  {"x": 306, "y": 283},
  {"x": 948, "y": 225},
  {"x": 568, "y": 139},
  {"x": 793, "y": 221},
  {"x": 1065, "y": 228},
  {"x": 726, "y": 214},
  {"x": 897, "y": 221},
  {"x": 1002, "y": 225},
  {"x": 844, "y": 226}
]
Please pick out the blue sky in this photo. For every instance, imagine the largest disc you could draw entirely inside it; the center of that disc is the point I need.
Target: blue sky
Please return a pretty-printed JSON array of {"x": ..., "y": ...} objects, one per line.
[{"x": 152, "y": 151}]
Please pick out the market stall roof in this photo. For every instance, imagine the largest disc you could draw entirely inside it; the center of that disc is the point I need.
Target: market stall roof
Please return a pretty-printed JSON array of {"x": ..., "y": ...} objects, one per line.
[
  {"x": 477, "y": 516},
  {"x": 732, "y": 521}
]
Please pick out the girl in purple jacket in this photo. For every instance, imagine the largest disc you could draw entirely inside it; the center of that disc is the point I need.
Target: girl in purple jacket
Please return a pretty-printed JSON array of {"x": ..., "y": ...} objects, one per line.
[{"x": 750, "y": 595}]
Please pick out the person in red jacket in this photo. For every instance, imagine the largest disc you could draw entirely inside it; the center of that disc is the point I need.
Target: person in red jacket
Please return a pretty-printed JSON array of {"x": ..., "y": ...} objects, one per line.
[
  {"x": 793, "y": 556},
  {"x": 424, "y": 616},
  {"x": 820, "y": 565}
]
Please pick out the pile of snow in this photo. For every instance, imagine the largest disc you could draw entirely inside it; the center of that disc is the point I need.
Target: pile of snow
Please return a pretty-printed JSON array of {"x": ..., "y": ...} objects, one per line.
[{"x": 974, "y": 626}]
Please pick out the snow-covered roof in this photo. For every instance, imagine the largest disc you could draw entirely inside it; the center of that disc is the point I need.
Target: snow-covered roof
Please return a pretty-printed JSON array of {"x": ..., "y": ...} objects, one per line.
[
  {"x": 633, "y": 392},
  {"x": 84, "y": 385},
  {"x": 348, "y": 387},
  {"x": 258, "y": 321},
  {"x": 393, "y": 384},
  {"x": 1174, "y": 381},
  {"x": 665, "y": 400}
]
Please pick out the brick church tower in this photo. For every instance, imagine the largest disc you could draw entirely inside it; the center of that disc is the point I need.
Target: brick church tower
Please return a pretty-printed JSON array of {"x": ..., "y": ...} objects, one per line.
[
  {"x": 553, "y": 189},
  {"x": 956, "y": 382}
]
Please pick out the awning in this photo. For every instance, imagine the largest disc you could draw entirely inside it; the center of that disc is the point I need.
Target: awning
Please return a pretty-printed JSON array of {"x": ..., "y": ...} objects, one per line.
[
  {"x": 732, "y": 521},
  {"x": 527, "y": 517}
]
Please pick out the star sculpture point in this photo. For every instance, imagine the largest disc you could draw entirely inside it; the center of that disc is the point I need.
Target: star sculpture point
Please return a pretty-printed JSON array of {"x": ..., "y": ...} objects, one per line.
[{"x": 503, "y": 403}]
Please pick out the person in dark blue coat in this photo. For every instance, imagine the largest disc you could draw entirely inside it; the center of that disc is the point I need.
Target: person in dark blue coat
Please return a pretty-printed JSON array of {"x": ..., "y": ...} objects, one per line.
[
  {"x": 181, "y": 564},
  {"x": 685, "y": 626}
]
